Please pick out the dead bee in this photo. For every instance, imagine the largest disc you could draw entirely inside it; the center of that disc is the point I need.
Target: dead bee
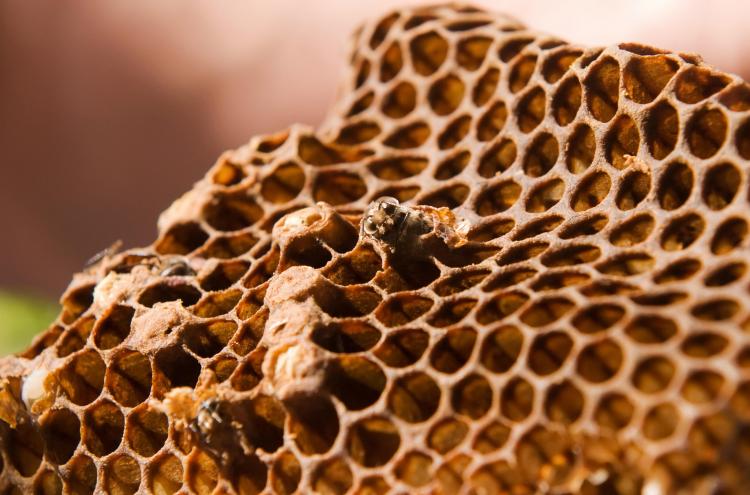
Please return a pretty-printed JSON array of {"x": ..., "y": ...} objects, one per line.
[
  {"x": 216, "y": 431},
  {"x": 177, "y": 268},
  {"x": 388, "y": 221},
  {"x": 104, "y": 253}
]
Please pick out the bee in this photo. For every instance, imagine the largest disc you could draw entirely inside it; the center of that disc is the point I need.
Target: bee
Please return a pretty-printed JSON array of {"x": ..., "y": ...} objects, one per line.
[
  {"x": 104, "y": 253},
  {"x": 388, "y": 221}
]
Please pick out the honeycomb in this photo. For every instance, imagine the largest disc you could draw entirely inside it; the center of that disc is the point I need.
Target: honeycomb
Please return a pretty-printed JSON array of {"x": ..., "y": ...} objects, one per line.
[{"x": 503, "y": 264}]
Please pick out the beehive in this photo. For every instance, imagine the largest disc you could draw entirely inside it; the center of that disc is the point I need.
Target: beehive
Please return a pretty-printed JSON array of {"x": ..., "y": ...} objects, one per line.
[{"x": 504, "y": 264}]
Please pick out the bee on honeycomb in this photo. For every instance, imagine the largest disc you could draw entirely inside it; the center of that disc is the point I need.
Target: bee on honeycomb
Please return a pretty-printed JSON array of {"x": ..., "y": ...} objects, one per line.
[{"x": 505, "y": 264}]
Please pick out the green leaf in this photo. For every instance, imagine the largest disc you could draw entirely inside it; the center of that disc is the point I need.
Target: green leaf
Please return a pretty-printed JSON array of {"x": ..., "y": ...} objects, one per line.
[{"x": 21, "y": 318}]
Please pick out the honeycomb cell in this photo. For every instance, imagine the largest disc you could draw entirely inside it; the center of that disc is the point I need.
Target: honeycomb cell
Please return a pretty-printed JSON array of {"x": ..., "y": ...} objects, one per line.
[
  {"x": 706, "y": 132},
  {"x": 633, "y": 231},
  {"x": 544, "y": 452},
  {"x": 492, "y": 229},
  {"x": 391, "y": 62},
  {"x": 702, "y": 386},
  {"x": 82, "y": 475},
  {"x": 314, "y": 424},
  {"x": 182, "y": 238},
  {"x": 471, "y": 51},
  {"x": 567, "y": 101},
  {"x": 453, "y": 350},
  {"x": 644, "y": 78},
  {"x": 498, "y": 158},
  {"x": 447, "y": 435},
  {"x": 622, "y": 141},
  {"x": 695, "y": 84},
  {"x": 662, "y": 129},
  {"x": 103, "y": 427},
  {"x": 356, "y": 381},
  {"x": 187, "y": 294},
  {"x": 373, "y": 441},
  {"x": 338, "y": 188},
  {"x": 556, "y": 66},
  {"x": 549, "y": 352},
  {"x": 447, "y": 197},
  {"x": 414, "y": 397},
  {"x": 564, "y": 403},
  {"x": 403, "y": 348},
  {"x": 513, "y": 47},
  {"x": 232, "y": 212},
  {"x": 414, "y": 469},
  {"x": 346, "y": 336},
  {"x": 492, "y": 121},
  {"x": 445, "y": 94},
  {"x": 402, "y": 309},
  {"x": 48, "y": 483},
  {"x": 571, "y": 255},
  {"x": 581, "y": 149},
  {"x": 286, "y": 474},
  {"x": 538, "y": 226},
  {"x": 498, "y": 198},
  {"x": 472, "y": 396},
  {"x": 520, "y": 72},
  {"x": 82, "y": 379},
  {"x": 653, "y": 375},
  {"x": 428, "y": 52},
  {"x": 602, "y": 89},
  {"x": 599, "y": 361},
  {"x": 75, "y": 303},
  {"x": 123, "y": 475},
  {"x": 681, "y": 232},
  {"x": 492, "y": 437},
  {"x": 715, "y": 309},
  {"x": 146, "y": 430},
  {"x": 453, "y": 165},
  {"x": 284, "y": 183},
  {"x": 517, "y": 399},
  {"x": 614, "y": 411},
  {"x": 530, "y": 109},
  {"x": 541, "y": 155},
  {"x": 381, "y": 30},
  {"x": 207, "y": 339},
  {"x": 113, "y": 328},
  {"x": 485, "y": 87},
  {"x": 454, "y": 132},
  {"x": 720, "y": 185},
  {"x": 406, "y": 137},
  {"x": 591, "y": 191},
  {"x": 201, "y": 473},
  {"x": 166, "y": 475},
  {"x": 627, "y": 265},
  {"x": 61, "y": 430},
  {"x": 675, "y": 186},
  {"x": 729, "y": 235},
  {"x": 400, "y": 101},
  {"x": 661, "y": 421},
  {"x": 598, "y": 318},
  {"x": 651, "y": 329},
  {"x": 177, "y": 368},
  {"x": 545, "y": 196},
  {"x": 725, "y": 274},
  {"x": 546, "y": 311}
]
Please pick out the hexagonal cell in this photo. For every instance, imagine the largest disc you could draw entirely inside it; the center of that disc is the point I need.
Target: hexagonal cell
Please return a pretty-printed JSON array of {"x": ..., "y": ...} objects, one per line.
[
  {"x": 414, "y": 397},
  {"x": 146, "y": 430},
  {"x": 373, "y": 441},
  {"x": 103, "y": 427},
  {"x": 61, "y": 430}
]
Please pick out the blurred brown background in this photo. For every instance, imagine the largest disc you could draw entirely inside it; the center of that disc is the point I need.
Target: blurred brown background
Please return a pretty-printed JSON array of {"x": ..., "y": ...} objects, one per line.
[{"x": 109, "y": 110}]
